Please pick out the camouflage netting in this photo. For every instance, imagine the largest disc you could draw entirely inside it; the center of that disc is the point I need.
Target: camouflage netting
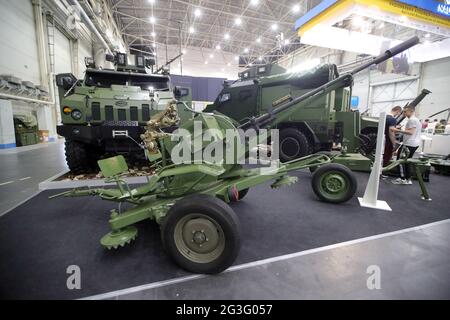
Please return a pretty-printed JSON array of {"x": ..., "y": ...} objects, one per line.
[{"x": 153, "y": 130}]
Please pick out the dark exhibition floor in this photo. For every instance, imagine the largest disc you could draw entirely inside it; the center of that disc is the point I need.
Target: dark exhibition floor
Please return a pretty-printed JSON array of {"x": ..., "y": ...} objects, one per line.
[{"x": 306, "y": 250}]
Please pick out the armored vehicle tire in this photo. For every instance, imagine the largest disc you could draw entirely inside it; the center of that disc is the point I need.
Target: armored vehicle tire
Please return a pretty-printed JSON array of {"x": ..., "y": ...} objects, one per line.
[
  {"x": 334, "y": 183},
  {"x": 201, "y": 234},
  {"x": 293, "y": 144},
  {"x": 78, "y": 157},
  {"x": 369, "y": 144}
]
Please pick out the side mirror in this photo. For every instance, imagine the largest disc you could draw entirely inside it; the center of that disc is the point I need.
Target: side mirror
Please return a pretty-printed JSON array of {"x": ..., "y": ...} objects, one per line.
[
  {"x": 180, "y": 92},
  {"x": 65, "y": 80}
]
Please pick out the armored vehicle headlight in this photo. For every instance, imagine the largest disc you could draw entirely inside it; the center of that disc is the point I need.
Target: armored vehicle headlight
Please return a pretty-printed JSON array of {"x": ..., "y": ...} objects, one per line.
[
  {"x": 76, "y": 114},
  {"x": 67, "y": 110}
]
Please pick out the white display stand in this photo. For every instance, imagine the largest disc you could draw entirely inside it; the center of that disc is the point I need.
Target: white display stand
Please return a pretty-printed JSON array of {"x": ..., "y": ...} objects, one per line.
[
  {"x": 370, "y": 198},
  {"x": 424, "y": 138}
]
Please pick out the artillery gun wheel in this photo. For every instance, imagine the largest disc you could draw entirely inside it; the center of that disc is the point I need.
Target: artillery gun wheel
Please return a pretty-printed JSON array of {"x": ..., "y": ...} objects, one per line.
[
  {"x": 293, "y": 144},
  {"x": 201, "y": 234},
  {"x": 79, "y": 158},
  {"x": 334, "y": 183}
]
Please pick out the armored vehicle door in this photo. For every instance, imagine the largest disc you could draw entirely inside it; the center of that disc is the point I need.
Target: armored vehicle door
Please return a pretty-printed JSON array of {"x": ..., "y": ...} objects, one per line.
[
  {"x": 239, "y": 102},
  {"x": 183, "y": 94}
]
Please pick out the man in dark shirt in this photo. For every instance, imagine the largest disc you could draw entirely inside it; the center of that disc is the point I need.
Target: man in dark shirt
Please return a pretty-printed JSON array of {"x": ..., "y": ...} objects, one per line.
[{"x": 389, "y": 134}]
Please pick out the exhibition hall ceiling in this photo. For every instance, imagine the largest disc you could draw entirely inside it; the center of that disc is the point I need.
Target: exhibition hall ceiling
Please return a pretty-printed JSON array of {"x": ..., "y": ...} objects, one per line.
[{"x": 250, "y": 29}]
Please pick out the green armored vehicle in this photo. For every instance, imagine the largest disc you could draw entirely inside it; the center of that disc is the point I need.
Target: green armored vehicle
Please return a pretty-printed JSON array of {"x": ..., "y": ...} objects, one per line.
[
  {"x": 319, "y": 123},
  {"x": 106, "y": 112},
  {"x": 316, "y": 125}
]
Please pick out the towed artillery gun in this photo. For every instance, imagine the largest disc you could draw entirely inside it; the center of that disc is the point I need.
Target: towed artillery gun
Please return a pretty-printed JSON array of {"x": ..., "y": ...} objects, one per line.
[{"x": 189, "y": 199}]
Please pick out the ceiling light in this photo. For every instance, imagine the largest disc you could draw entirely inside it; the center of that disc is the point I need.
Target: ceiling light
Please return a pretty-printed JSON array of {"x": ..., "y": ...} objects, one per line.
[
  {"x": 151, "y": 1},
  {"x": 274, "y": 27},
  {"x": 153, "y": 34},
  {"x": 197, "y": 12},
  {"x": 238, "y": 21},
  {"x": 250, "y": 64},
  {"x": 254, "y": 2},
  {"x": 218, "y": 47},
  {"x": 236, "y": 58},
  {"x": 206, "y": 62},
  {"x": 228, "y": 64},
  {"x": 211, "y": 56},
  {"x": 260, "y": 58},
  {"x": 246, "y": 50},
  {"x": 286, "y": 42},
  {"x": 258, "y": 39},
  {"x": 154, "y": 45},
  {"x": 152, "y": 20},
  {"x": 222, "y": 69},
  {"x": 191, "y": 30},
  {"x": 226, "y": 36},
  {"x": 183, "y": 51},
  {"x": 427, "y": 35},
  {"x": 296, "y": 8}
]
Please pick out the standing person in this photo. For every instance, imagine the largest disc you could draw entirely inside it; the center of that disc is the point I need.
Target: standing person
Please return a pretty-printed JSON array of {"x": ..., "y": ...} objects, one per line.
[
  {"x": 389, "y": 134},
  {"x": 411, "y": 141},
  {"x": 425, "y": 124}
]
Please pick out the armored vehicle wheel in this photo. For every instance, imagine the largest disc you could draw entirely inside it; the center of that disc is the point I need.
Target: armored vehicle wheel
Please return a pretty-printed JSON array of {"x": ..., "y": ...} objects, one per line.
[
  {"x": 368, "y": 144},
  {"x": 334, "y": 183},
  {"x": 293, "y": 144},
  {"x": 79, "y": 158},
  {"x": 201, "y": 234}
]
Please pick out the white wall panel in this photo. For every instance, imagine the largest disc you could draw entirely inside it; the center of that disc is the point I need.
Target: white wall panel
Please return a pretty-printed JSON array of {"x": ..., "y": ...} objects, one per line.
[
  {"x": 385, "y": 96},
  {"x": 18, "y": 48},
  {"x": 84, "y": 50},
  {"x": 63, "y": 54},
  {"x": 436, "y": 78}
]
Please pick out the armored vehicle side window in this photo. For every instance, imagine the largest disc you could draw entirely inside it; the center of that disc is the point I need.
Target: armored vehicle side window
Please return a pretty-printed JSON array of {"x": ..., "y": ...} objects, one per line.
[
  {"x": 225, "y": 97},
  {"x": 150, "y": 83},
  {"x": 104, "y": 80}
]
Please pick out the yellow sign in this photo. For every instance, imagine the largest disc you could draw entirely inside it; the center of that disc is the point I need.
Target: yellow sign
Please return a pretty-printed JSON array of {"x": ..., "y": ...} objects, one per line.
[{"x": 390, "y": 6}]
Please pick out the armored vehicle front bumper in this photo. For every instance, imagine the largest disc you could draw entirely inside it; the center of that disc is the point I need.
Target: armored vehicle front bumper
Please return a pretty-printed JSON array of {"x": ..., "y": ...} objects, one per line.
[{"x": 102, "y": 135}]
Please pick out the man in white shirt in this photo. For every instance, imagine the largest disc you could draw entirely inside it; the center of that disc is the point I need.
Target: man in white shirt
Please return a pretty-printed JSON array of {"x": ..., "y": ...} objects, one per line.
[{"x": 411, "y": 141}]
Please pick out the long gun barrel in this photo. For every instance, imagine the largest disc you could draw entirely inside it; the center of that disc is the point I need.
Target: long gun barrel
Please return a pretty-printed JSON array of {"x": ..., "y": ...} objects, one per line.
[
  {"x": 413, "y": 103},
  {"x": 435, "y": 114},
  {"x": 168, "y": 62},
  {"x": 346, "y": 80}
]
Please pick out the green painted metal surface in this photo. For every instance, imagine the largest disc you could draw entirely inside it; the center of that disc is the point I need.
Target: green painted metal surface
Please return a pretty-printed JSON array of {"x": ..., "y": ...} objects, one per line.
[{"x": 113, "y": 166}]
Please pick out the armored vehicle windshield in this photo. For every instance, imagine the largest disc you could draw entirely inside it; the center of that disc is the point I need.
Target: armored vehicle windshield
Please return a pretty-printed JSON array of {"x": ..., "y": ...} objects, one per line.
[{"x": 106, "y": 78}]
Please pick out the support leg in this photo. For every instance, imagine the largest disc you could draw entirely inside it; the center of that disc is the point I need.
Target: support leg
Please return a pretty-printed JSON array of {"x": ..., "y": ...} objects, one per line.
[{"x": 425, "y": 195}]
